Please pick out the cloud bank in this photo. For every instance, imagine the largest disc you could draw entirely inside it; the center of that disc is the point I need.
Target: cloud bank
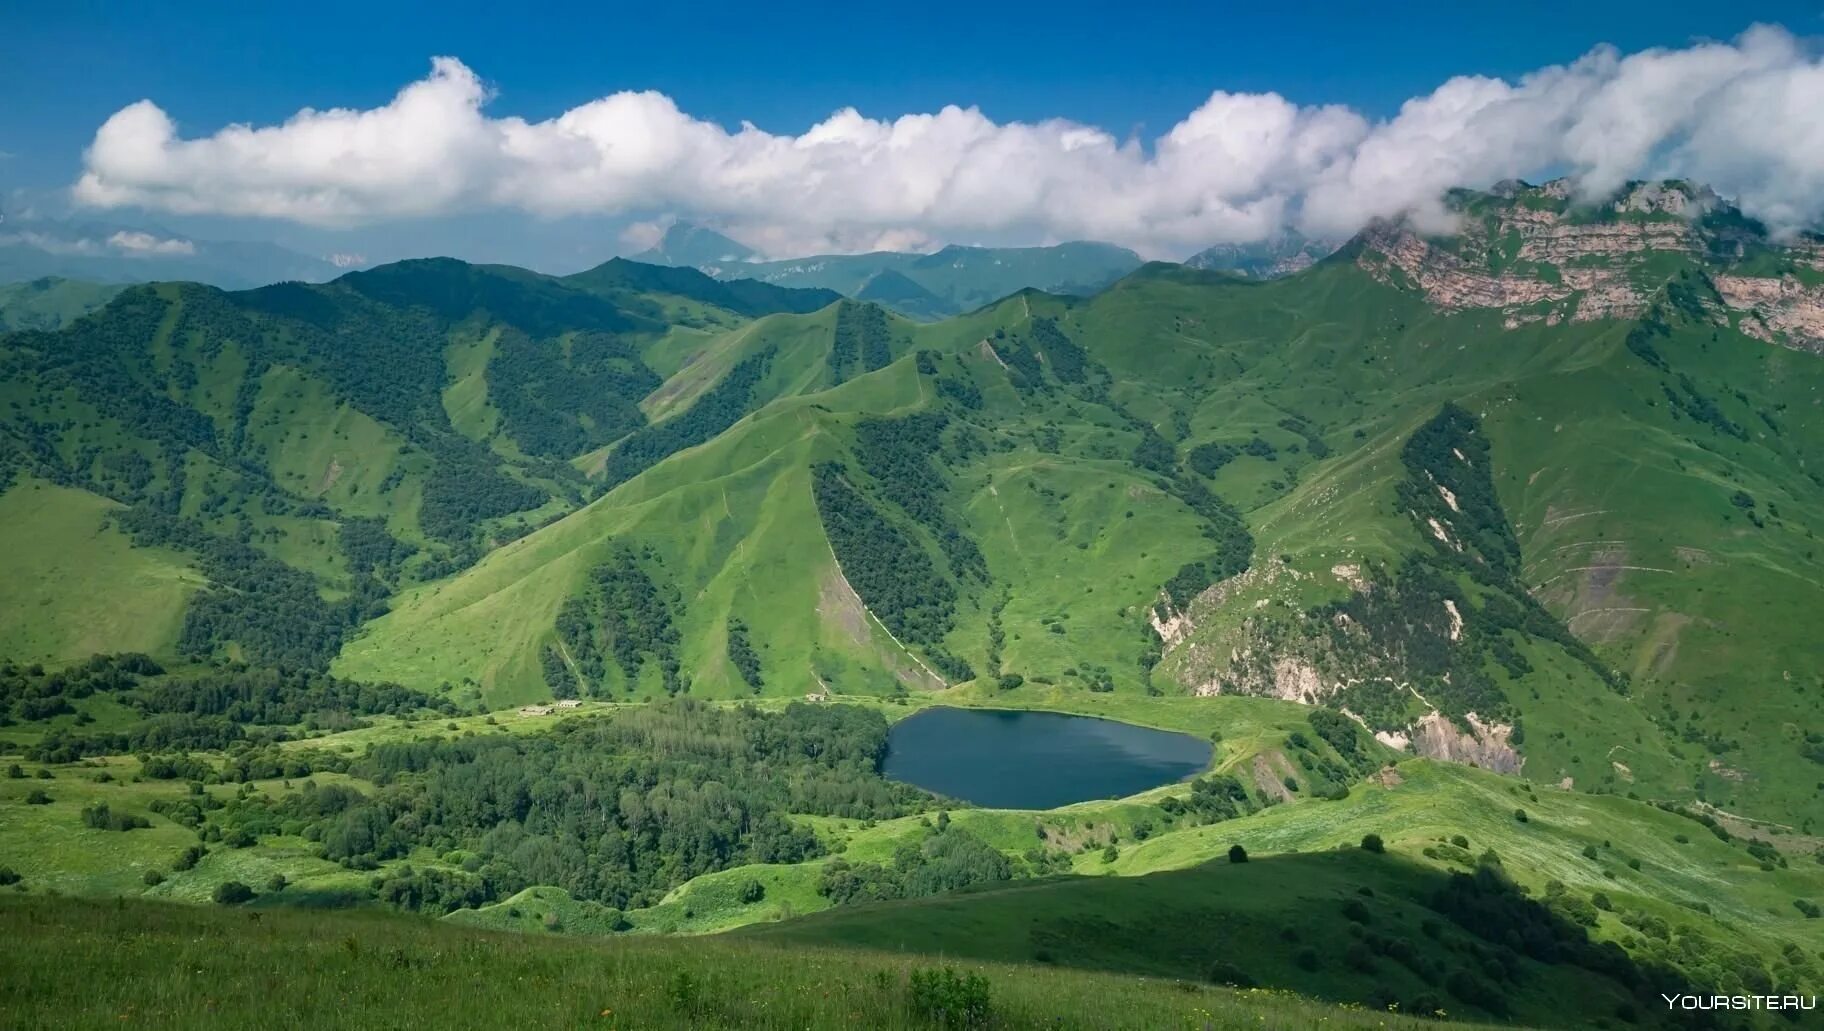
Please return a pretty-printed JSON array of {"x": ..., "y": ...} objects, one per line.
[
  {"x": 1744, "y": 116},
  {"x": 137, "y": 243},
  {"x": 124, "y": 243}
]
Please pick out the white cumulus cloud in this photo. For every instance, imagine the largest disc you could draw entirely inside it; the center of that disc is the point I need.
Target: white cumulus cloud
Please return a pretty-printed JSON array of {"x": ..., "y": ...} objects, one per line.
[
  {"x": 135, "y": 243},
  {"x": 1744, "y": 116}
]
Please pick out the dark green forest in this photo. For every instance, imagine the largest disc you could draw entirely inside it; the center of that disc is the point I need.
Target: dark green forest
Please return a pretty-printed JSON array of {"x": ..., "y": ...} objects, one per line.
[{"x": 617, "y": 809}]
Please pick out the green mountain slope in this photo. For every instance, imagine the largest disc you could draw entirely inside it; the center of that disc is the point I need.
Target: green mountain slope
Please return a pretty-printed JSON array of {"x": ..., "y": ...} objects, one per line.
[
  {"x": 857, "y": 453},
  {"x": 74, "y": 584},
  {"x": 318, "y": 447},
  {"x": 1539, "y": 546},
  {"x": 1461, "y": 878},
  {"x": 1496, "y": 541}
]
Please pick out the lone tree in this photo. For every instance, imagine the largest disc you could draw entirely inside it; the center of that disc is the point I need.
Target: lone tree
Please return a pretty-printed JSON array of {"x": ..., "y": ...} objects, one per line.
[
  {"x": 1372, "y": 843},
  {"x": 1237, "y": 854}
]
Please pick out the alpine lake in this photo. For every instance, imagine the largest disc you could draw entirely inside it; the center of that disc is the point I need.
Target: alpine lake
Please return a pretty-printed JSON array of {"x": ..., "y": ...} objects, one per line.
[{"x": 1017, "y": 759}]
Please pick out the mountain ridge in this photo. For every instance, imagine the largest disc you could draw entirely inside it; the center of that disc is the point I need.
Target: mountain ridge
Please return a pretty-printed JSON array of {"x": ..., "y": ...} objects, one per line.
[
  {"x": 34, "y": 248},
  {"x": 950, "y": 281},
  {"x": 667, "y": 374}
]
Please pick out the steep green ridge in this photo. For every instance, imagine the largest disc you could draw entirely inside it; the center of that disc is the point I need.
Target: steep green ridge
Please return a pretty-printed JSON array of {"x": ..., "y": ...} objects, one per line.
[
  {"x": 948, "y": 494},
  {"x": 313, "y": 448},
  {"x": 1637, "y": 523}
]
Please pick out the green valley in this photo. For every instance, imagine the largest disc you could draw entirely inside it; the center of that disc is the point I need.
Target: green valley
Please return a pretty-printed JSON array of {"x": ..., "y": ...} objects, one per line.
[{"x": 586, "y": 607}]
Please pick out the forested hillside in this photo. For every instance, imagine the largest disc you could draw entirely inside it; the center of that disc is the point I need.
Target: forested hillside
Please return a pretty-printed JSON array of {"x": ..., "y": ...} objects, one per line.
[{"x": 304, "y": 452}]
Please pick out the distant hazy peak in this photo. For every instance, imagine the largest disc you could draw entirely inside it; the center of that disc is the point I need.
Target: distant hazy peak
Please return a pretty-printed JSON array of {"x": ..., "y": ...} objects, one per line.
[
  {"x": 1279, "y": 255},
  {"x": 686, "y": 243}
]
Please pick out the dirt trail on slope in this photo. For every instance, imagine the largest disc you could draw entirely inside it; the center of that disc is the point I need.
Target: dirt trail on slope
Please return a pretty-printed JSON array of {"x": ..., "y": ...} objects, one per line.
[
  {"x": 840, "y": 605},
  {"x": 1270, "y": 771}
]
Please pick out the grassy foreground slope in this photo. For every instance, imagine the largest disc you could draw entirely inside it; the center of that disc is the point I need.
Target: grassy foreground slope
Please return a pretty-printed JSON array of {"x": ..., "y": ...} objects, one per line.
[
  {"x": 1313, "y": 911},
  {"x": 90, "y": 964},
  {"x": 1575, "y": 896}
]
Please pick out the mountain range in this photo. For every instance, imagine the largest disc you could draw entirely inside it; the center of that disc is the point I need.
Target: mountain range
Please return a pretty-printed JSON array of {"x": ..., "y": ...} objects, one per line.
[
  {"x": 925, "y": 287},
  {"x": 1629, "y": 395},
  {"x": 1502, "y": 536},
  {"x": 34, "y": 248}
]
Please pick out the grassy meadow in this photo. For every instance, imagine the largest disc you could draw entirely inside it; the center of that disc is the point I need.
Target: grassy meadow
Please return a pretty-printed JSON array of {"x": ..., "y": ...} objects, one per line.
[{"x": 157, "y": 965}]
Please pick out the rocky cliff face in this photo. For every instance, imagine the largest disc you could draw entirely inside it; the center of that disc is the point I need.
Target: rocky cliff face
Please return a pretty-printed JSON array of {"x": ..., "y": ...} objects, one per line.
[
  {"x": 1255, "y": 658},
  {"x": 1782, "y": 310},
  {"x": 1485, "y": 744},
  {"x": 1267, "y": 259},
  {"x": 1275, "y": 667},
  {"x": 1534, "y": 254}
]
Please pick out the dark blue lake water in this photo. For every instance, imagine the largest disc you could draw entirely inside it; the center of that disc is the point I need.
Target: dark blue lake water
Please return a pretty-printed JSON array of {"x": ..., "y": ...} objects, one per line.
[{"x": 1036, "y": 760}]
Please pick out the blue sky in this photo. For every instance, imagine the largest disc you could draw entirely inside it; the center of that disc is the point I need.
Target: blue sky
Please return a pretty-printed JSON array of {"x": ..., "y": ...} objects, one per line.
[{"x": 1131, "y": 70}]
